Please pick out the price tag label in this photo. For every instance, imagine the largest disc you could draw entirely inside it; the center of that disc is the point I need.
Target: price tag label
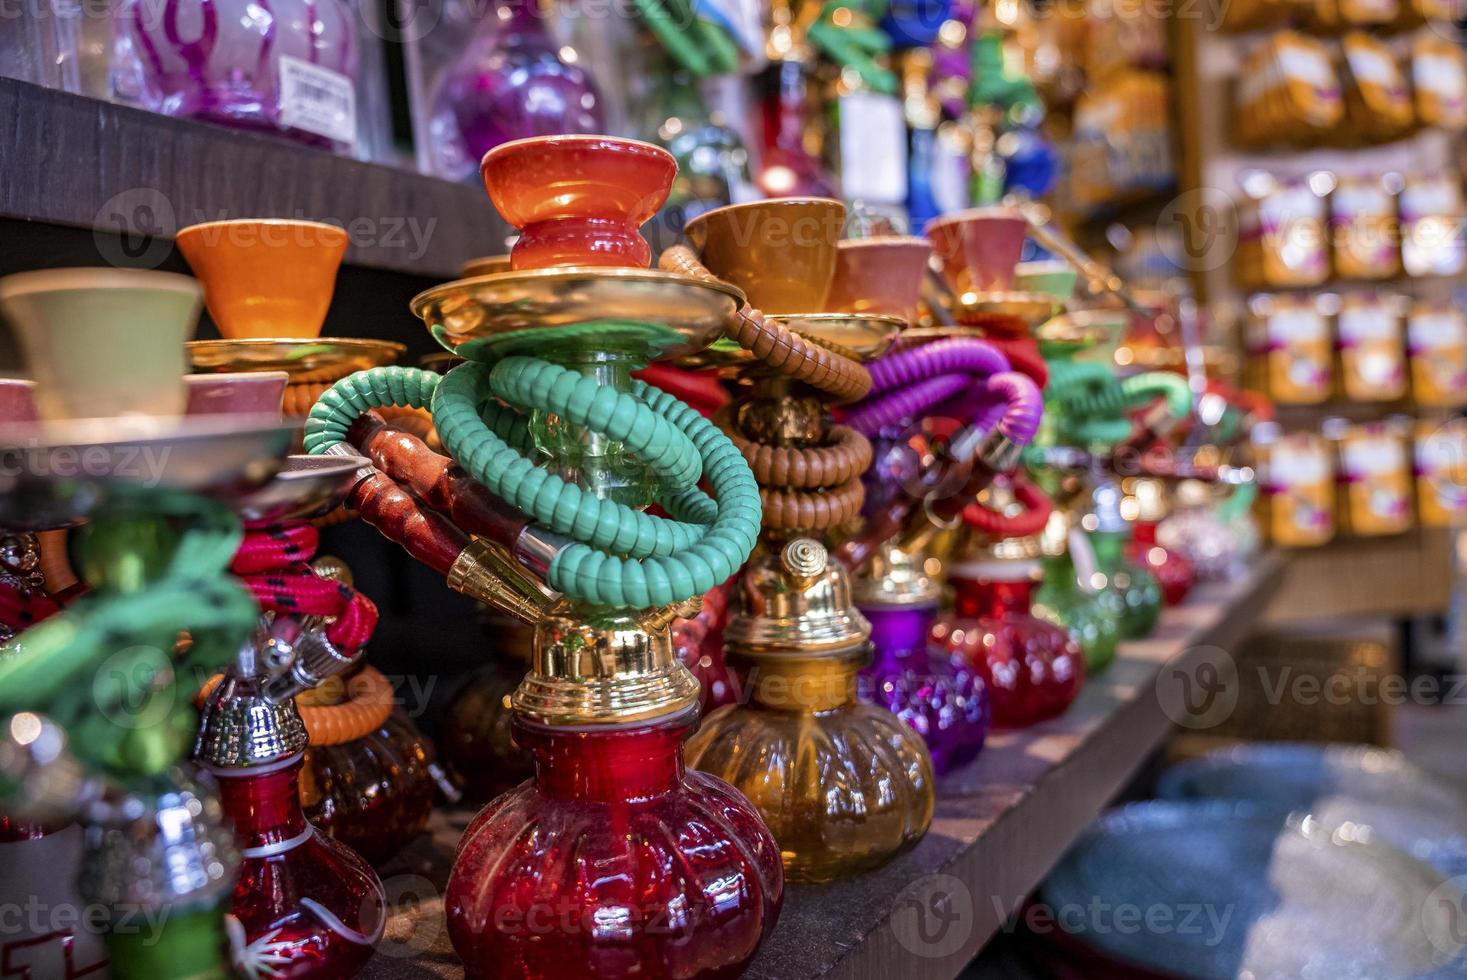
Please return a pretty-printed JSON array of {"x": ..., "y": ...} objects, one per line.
[
  {"x": 873, "y": 148},
  {"x": 317, "y": 100}
]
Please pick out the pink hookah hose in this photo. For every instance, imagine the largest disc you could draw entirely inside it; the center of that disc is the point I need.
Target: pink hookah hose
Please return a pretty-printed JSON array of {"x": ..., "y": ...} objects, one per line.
[
  {"x": 910, "y": 383},
  {"x": 271, "y": 561}
]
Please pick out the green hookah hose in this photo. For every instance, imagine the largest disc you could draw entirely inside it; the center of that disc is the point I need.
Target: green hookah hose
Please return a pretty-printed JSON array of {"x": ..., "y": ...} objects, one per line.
[
  {"x": 619, "y": 556},
  {"x": 1093, "y": 402},
  {"x": 105, "y": 669},
  {"x": 695, "y": 43}
]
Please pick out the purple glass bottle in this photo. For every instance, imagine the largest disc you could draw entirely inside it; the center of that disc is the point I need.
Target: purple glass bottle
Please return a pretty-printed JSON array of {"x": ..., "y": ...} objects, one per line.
[
  {"x": 514, "y": 81},
  {"x": 940, "y": 699},
  {"x": 289, "y": 66}
]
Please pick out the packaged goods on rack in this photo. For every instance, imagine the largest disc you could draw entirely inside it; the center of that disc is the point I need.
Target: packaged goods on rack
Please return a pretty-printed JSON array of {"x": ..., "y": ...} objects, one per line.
[
  {"x": 1441, "y": 472},
  {"x": 1282, "y": 243},
  {"x": 1438, "y": 80},
  {"x": 1374, "y": 477},
  {"x": 1288, "y": 92},
  {"x": 1122, "y": 139},
  {"x": 1289, "y": 349},
  {"x": 1371, "y": 345},
  {"x": 1296, "y": 474},
  {"x": 1377, "y": 100},
  {"x": 1333, "y": 16},
  {"x": 1363, "y": 230},
  {"x": 1436, "y": 340},
  {"x": 1431, "y": 236}
]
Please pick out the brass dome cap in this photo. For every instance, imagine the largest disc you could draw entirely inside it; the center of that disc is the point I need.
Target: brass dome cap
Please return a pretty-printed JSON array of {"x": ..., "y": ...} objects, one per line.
[{"x": 797, "y": 601}]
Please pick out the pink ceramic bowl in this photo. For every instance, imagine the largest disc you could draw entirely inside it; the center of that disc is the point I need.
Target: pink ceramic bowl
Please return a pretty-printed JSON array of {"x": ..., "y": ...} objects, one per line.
[
  {"x": 879, "y": 275},
  {"x": 979, "y": 247},
  {"x": 255, "y": 393}
]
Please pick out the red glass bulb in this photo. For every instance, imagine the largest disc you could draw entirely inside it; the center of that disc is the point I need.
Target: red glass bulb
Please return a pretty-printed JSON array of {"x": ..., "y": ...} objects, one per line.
[
  {"x": 304, "y": 905},
  {"x": 375, "y": 793},
  {"x": 1033, "y": 669},
  {"x": 1172, "y": 569},
  {"x": 614, "y": 861}
]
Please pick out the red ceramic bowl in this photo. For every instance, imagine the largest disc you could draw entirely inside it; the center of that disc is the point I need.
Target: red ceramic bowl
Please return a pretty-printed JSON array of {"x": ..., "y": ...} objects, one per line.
[
  {"x": 979, "y": 247},
  {"x": 578, "y": 200},
  {"x": 239, "y": 393},
  {"x": 879, "y": 275}
]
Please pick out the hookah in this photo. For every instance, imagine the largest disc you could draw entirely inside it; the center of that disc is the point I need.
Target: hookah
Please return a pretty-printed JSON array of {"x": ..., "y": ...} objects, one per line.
[
  {"x": 304, "y": 903},
  {"x": 369, "y": 776},
  {"x": 97, "y": 717},
  {"x": 606, "y": 705},
  {"x": 1033, "y": 669},
  {"x": 942, "y": 700},
  {"x": 843, "y": 785},
  {"x": 38, "y": 861}
]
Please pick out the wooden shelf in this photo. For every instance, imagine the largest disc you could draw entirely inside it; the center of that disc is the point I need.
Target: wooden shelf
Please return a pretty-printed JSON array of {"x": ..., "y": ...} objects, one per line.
[
  {"x": 1001, "y": 824},
  {"x": 81, "y": 163}
]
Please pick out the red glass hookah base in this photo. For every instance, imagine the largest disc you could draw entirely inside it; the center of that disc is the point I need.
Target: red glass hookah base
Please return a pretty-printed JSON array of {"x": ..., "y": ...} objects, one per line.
[
  {"x": 312, "y": 907},
  {"x": 613, "y": 862}
]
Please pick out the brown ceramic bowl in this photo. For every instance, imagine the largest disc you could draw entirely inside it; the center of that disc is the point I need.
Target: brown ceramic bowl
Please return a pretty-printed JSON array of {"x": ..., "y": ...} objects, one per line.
[
  {"x": 780, "y": 252},
  {"x": 879, "y": 275},
  {"x": 979, "y": 247}
]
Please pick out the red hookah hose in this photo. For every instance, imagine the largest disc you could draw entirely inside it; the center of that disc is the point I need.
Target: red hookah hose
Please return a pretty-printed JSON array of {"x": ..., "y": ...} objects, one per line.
[
  {"x": 1030, "y": 520},
  {"x": 1024, "y": 357},
  {"x": 700, "y": 389},
  {"x": 22, "y": 608},
  {"x": 271, "y": 561}
]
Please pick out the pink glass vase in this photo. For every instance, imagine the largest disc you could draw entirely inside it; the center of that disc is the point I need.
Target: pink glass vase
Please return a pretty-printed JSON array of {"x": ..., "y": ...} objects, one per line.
[
  {"x": 304, "y": 905},
  {"x": 1033, "y": 669},
  {"x": 614, "y": 861},
  {"x": 287, "y": 66}
]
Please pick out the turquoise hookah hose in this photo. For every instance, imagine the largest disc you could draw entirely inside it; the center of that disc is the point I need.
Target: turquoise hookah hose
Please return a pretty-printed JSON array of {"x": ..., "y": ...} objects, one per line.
[
  {"x": 613, "y": 554},
  {"x": 1093, "y": 402},
  {"x": 106, "y": 669}
]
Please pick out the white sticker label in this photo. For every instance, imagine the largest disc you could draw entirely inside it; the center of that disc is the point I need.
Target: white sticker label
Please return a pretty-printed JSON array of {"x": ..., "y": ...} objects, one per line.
[
  {"x": 1433, "y": 331},
  {"x": 873, "y": 148},
  {"x": 1295, "y": 463},
  {"x": 1359, "y": 324},
  {"x": 317, "y": 100},
  {"x": 1296, "y": 326},
  {"x": 1307, "y": 65},
  {"x": 1371, "y": 65}
]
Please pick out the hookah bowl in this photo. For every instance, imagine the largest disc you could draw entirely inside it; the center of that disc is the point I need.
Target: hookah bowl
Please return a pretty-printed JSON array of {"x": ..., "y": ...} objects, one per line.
[
  {"x": 1173, "y": 571},
  {"x": 1033, "y": 668},
  {"x": 880, "y": 275},
  {"x": 226, "y": 62},
  {"x": 268, "y": 283},
  {"x": 565, "y": 547},
  {"x": 781, "y": 252},
  {"x": 1063, "y": 599}
]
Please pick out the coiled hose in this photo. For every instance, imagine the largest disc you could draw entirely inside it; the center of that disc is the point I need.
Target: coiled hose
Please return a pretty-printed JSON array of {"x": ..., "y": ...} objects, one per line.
[
  {"x": 801, "y": 488},
  {"x": 106, "y": 668},
  {"x": 1031, "y": 519},
  {"x": 909, "y": 383},
  {"x": 618, "y": 556},
  {"x": 1093, "y": 402}
]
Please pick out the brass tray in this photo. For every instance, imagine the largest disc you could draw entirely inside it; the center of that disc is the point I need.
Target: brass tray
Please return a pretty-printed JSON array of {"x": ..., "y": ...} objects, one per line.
[
  {"x": 644, "y": 311},
  {"x": 315, "y": 359},
  {"x": 57, "y": 473}
]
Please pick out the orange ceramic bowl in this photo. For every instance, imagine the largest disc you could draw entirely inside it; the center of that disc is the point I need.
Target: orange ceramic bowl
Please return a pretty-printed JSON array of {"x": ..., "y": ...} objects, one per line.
[
  {"x": 265, "y": 277},
  {"x": 879, "y": 275},
  {"x": 578, "y": 200},
  {"x": 780, "y": 252},
  {"x": 979, "y": 247}
]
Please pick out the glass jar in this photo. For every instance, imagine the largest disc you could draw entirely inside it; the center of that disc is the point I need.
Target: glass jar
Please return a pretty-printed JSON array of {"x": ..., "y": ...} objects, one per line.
[
  {"x": 614, "y": 860},
  {"x": 287, "y": 67},
  {"x": 1086, "y": 615}
]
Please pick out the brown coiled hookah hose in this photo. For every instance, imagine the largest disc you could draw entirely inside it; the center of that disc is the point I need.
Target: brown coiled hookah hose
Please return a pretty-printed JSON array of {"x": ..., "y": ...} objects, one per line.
[{"x": 801, "y": 487}]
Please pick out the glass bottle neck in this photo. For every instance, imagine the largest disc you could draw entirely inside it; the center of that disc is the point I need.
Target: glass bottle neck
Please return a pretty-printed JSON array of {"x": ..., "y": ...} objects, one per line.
[
  {"x": 993, "y": 597},
  {"x": 1110, "y": 547},
  {"x": 623, "y": 765},
  {"x": 264, "y": 807},
  {"x": 803, "y": 685}
]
